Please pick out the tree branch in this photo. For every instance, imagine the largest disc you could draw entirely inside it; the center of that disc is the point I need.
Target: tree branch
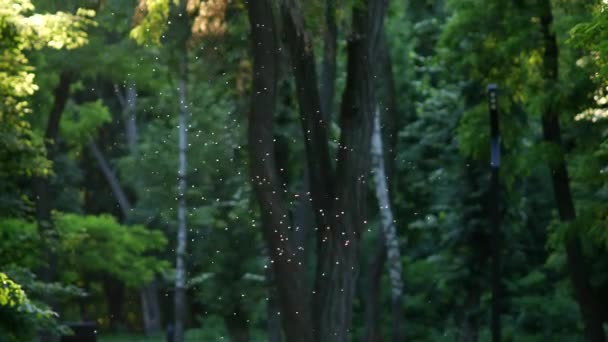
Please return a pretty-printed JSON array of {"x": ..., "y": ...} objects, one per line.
[{"x": 110, "y": 176}]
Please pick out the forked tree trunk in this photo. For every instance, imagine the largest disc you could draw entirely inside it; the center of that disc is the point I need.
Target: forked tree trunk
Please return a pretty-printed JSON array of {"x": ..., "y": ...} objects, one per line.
[
  {"x": 338, "y": 199},
  {"x": 338, "y": 249},
  {"x": 591, "y": 310},
  {"x": 295, "y": 310},
  {"x": 387, "y": 222},
  {"x": 182, "y": 235}
]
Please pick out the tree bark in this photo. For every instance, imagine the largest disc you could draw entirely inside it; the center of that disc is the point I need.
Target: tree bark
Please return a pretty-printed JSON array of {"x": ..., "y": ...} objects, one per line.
[
  {"x": 288, "y": 274},
  {"x": 339, "y": 206},
  {"x": 389, "y": 231},
  {"x": 338, "y": 248},
  {"x": 314, "y": 126},
  {"x": 182, "y": 234},
  {"x": 578, "y": 267},
  {"x": 328, "y": 71}
]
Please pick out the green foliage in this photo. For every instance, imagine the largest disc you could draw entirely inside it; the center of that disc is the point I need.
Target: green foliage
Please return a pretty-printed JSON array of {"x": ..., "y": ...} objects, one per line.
[
  {"x": 81, "y": 122},
  {"x": 20, "y": 318},
  {"x": 92, "y": 245},
  {"x": 153, "y": 16},
  {"x": 22, "y": 30},
  {"x": 19, "y": 243}
]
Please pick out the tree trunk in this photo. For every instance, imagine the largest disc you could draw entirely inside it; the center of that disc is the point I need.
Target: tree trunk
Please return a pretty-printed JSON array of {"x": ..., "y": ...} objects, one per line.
[
  {"x": 272, "y": 310},
  {"x": 578, "y": 267},
  {"x": 338, "y": 249},
  {"x": 180, "y": 251},
  {"x": 371, "y": 331},
  {"x": 338, "y": 199},
  {"x": 151, "y": 308},
  {"x": 288, "y": 274},
  {"x": 237, "y": 326},
  {"x": 328, "y": 72},
  {"x": 41, "y": 184},
  {"x": 388, "y": 229},
  {"x": 128, "y": 103},
  {"x": 114, "y": 293},
  {"x": 41, "y": 187}
]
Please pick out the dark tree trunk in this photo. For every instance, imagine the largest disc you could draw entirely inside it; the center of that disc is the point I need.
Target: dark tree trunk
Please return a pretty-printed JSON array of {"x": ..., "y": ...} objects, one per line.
[
  {"x": 42, "y": 194},
  {"x": 114, "y": 292},
  {"x": 237, "y": 326},
  {"x": 275, "y": 333},
  {"x": 328, "y": 71},
  {"x": 371, "y": 296},
  {"x": 288, "y": 274},
  {"x": 338, "y": 199},
  {"x": 578, "y": 267},
  {"x": 42, "y": 191},
  {"x": 314, "y": 126},
  {"x": 338, "y": 246}
]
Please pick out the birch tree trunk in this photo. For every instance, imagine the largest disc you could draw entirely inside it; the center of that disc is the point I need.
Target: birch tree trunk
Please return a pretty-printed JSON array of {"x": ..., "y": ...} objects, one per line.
[
  {"x": 180, "y": 251},
  {"x": 393, "y": 255}
]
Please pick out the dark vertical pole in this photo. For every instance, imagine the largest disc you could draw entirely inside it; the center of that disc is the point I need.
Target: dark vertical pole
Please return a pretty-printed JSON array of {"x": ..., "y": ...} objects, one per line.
[{"x": 494, "y": 211}]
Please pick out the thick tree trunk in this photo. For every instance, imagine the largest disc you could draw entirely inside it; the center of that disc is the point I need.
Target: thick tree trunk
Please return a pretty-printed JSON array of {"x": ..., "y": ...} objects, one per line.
[
  {"x": 288, "y": 274},
  {"x": 388, "y": 229},
  {"x": 339, "y": 205},
  {"x": 578, "y": 267},
  {"x": 338, "y": 246},
  {"x": 182, "y": 234}
]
